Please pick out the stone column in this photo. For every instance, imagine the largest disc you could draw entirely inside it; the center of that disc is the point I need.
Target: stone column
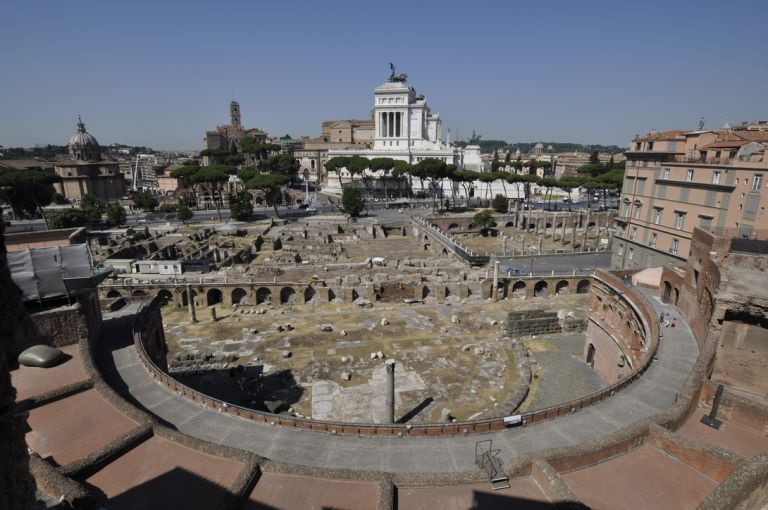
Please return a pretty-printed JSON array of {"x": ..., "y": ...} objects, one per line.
[
  {"x": 495, "y": 287},
  {"x": 540, "y": 239},
  {"x": 573, "y": 233},
  {"x": 538, "y": 217},
  {"x": 553, "y": 219},
  {"x": 191, "y": 303},
  {"x": 585, "y": 244},
  {"x": 562, "y": 231},
  {"x": 390, "y": 400}
]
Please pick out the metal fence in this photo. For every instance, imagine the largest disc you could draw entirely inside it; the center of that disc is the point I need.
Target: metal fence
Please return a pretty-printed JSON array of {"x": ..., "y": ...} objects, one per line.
[{"x": 468, "y": 256}]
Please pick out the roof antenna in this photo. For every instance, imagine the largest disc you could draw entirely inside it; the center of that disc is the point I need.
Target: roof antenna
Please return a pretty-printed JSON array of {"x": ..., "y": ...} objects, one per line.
[{"x": 701, "y": 123}]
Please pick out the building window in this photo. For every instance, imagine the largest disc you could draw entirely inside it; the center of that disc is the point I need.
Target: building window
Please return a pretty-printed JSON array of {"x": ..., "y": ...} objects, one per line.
[
  {"x": 666, "y": 173},
  {"x": 716, "y": 178},
  {"x": 679, "y": 220},
  {"x": 756, "y": 182},
  {"x": 657, "y": 215},
  {"x": 634, "y": 234},
  {"x": 650, "y": 146},
  {"x": 652, "y": 242},
  {"x": 621, "y": 250},
  {"x": 675, "y": 246},
  {"x": 631, "y": 253},
  {"x": 705, "y": 222},
  {"x": 638, "y": 208},
  {"x": 689, "y": 175}
]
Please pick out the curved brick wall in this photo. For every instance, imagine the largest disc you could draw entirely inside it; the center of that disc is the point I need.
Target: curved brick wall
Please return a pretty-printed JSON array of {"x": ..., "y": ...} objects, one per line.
[{"x": 151, "y": 348}]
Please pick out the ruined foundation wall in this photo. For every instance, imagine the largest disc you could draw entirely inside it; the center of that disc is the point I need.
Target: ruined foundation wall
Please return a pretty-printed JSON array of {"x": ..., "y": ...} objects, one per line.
[{"x": 532, "y": 322}]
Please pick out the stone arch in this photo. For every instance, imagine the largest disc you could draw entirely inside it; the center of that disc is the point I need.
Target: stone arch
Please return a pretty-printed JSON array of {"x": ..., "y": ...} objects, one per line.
[
  {"x": 309, "y": 293},
  {"x": 425, "y": 292},
  {"x": 139, "y": 293},
  {"x": 263, "y": 295},
  {"x": 453, "y": 226},
  {"x": 583, "y": 287},
  {"x": 213, "y": 297},
  {"x": 518, "y": 290},
  {"x": 185, "y": 297},
  {"x": 331, "y": 295},
  {"x": 562, "y": 287},
  {"x": 239, "y": 296},
  {"x": 447, "y": 291},
  {"x": 426, "y": 237},
  {"x": 667, "y": 291},
  {"x": 677, "y": 296},
  {"x": 541, "y": 289},
  {"x": 165, "y": 297},
  {"x": 113, "y": 294},
  {"x": 444, "y": 252},
  {"x": 590, "y": 224},
  {"x": 355, "y": 294},
  {"x": 548, "y": 225},
  {"x": 591, "y": 355},
  {"x": 287, "y": 295},
  {"x": 509, "y": 224}
]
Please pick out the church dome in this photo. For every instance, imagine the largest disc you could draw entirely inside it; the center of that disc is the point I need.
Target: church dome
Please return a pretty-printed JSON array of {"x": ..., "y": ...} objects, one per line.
[{"x": 82, "y": 145}]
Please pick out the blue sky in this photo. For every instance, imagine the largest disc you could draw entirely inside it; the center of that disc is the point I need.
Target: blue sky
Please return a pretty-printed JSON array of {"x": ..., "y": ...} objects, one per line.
[{"x": 161, "y": 73}]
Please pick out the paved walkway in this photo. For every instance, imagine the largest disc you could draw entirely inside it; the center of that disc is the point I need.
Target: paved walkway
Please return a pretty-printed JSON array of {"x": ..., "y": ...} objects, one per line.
[{"x": 654, "y": 392}]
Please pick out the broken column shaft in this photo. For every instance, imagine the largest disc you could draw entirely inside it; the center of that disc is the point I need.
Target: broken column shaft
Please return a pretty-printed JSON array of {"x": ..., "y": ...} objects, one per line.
[
  {"x": 390, "y": 401},
  {"x": 191, "y": 304}
]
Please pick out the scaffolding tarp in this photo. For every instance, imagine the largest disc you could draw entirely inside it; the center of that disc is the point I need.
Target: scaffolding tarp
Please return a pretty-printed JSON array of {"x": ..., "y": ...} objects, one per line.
[{"x": 45, "y": 273}]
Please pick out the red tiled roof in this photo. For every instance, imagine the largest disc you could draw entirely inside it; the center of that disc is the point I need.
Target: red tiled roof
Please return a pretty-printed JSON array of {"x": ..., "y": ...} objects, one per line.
[{"x": 724, "y": 144}]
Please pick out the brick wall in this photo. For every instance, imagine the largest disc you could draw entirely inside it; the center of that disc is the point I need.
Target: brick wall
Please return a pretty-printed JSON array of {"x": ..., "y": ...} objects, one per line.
[{"x": 532, "y": 322}]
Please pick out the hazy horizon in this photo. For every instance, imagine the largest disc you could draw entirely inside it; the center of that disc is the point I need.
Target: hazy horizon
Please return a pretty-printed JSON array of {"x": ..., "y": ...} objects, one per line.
[{"x": 161, "y": 74}]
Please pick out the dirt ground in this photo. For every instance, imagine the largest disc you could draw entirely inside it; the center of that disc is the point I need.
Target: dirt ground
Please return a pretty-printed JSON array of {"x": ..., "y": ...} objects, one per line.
[{"x": 447, "y": 357}]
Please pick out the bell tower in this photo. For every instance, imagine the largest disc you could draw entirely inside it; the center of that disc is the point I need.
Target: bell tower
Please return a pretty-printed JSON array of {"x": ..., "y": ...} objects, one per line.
[{"x": 234, "y": 114}]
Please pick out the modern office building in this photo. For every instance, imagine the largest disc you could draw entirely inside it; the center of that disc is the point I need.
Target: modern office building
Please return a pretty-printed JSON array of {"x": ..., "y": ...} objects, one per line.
[{"x": 678, "y": 180}]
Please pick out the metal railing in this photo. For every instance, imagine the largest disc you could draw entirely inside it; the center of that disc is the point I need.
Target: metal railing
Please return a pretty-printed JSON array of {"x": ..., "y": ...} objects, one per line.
[
  {"x": 407, "y": 430},
  {"x": 467, "y": 255}
]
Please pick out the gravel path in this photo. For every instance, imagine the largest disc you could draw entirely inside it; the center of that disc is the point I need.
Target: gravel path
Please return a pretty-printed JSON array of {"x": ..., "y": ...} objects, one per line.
[{"x": 561, "y": 377}]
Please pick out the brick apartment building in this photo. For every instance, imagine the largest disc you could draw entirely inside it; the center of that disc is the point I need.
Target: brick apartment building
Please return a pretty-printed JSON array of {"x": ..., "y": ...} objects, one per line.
[{"x": 677, "y": 180}]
